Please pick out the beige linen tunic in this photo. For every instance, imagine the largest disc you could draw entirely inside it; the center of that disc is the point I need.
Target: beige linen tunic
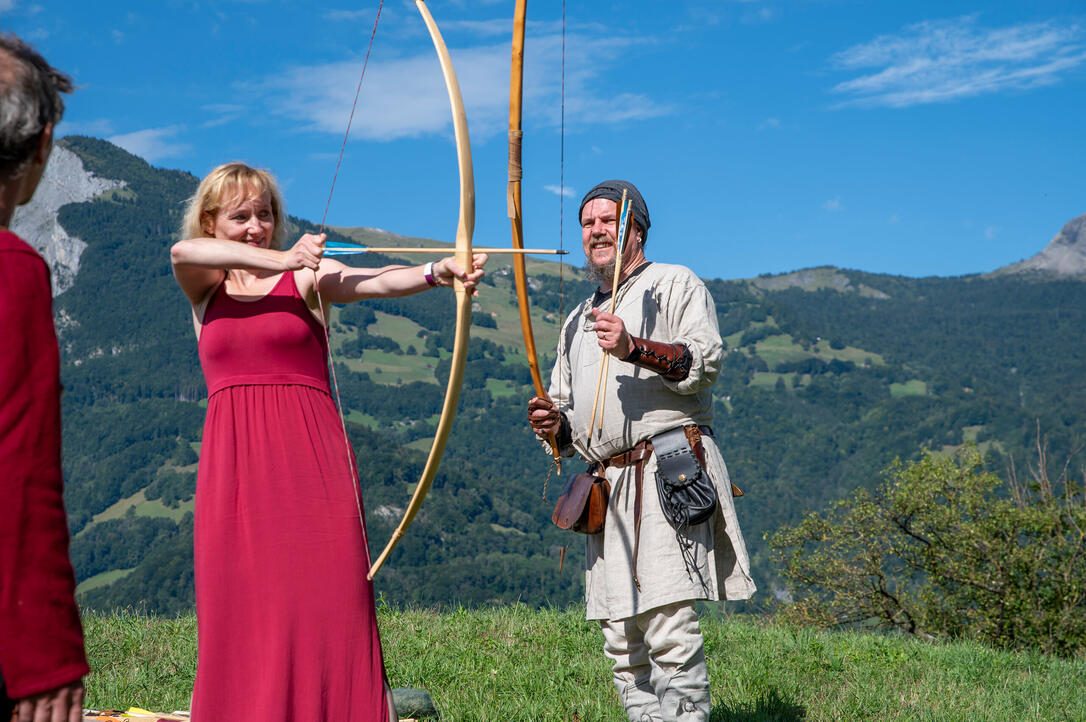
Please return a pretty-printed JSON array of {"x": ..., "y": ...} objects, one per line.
[{"x": 665, "y": 303}]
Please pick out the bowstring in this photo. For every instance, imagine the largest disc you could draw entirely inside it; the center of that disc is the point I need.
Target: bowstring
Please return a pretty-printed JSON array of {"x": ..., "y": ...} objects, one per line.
[
  {"x": 356, "y": 481},
  {"x": 561, "y": 210}
]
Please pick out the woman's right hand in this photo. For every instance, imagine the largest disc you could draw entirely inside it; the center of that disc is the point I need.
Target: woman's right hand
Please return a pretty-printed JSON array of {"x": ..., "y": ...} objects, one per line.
[{"x": 306, "y": 253}]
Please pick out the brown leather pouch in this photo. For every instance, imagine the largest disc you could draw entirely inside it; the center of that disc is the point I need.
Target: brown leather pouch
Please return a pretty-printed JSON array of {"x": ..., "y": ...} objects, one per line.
[{"x": 583, "y": 504}]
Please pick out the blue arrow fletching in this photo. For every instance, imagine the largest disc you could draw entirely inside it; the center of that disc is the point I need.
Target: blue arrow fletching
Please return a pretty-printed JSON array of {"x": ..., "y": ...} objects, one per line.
[
  {"x": 339, "y": 248},
  {"x": 623, "y": 221}
]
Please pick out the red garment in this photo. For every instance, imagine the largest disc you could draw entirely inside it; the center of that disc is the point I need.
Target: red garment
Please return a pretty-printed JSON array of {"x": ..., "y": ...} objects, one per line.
[
  {"x": 286, "y": 617},
  {"x": 41, "y": 638}
]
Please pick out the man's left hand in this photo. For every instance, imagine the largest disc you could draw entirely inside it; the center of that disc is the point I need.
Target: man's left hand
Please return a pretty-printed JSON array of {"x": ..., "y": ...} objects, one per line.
[{"x": 612, "y": 334}]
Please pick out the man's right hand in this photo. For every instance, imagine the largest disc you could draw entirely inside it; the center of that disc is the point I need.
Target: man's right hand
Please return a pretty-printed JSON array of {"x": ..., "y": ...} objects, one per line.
[
  {"x": 63, "y": 704},
  {"x": 543, "y": 416}
]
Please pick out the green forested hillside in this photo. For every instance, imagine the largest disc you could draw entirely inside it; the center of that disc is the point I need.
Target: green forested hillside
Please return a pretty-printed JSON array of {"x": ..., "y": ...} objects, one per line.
[{"x": 828, "y": 376}]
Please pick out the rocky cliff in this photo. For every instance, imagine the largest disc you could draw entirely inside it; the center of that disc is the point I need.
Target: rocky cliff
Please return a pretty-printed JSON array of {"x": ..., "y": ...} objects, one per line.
[
  {"x": 65, "y": 181},
  {"x": 1065, "y": 255}
]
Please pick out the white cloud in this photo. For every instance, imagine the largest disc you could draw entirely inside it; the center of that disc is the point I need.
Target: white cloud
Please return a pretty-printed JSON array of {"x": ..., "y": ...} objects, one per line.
[
  {"x": 944, "y": 60},
  {"x": 991, "y": 232},
  {"x": 223, "y": 113},
  {"x": 833, "y": 205},
  {"x": 894, "y": 218},
  {"x": 769, "y": 123},
  {"x": 560, "y": 191},
  {"x": 6, "y": 5},
  {"x": 405, "y": 97},
  {"x": 152, "y": 144}
]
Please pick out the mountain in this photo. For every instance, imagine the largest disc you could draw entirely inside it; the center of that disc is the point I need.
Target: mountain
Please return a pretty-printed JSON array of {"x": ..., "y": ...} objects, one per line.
[
  {"x": 65, "y": 181},
  {"x": 1065, "y": 255},
  {"x": 829, "y": 375}
]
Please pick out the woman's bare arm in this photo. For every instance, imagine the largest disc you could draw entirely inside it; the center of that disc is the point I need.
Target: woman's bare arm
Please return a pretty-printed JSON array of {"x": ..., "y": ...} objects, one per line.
[
  {"x": 200, "y": 264},
  {"x": 340, "y": 283}
]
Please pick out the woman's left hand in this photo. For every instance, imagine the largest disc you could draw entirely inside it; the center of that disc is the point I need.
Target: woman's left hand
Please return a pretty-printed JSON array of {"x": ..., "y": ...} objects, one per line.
[{"x": 448, "y": 269}]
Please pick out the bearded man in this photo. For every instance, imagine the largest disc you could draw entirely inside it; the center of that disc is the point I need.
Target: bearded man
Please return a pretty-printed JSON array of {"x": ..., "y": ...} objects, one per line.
[{"x": 655, "y": 556}]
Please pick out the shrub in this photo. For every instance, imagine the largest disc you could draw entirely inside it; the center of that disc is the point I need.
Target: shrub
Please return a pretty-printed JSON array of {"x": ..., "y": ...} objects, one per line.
[{"x": 945, "y": 549}]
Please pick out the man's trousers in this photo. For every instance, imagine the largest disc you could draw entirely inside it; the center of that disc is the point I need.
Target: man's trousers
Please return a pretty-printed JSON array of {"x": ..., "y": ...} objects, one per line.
[{"x": 659, "y": 664}]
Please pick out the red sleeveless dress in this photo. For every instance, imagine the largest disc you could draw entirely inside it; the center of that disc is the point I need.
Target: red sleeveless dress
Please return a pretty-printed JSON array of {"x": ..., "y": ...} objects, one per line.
[{"x": 287, "y": 628}]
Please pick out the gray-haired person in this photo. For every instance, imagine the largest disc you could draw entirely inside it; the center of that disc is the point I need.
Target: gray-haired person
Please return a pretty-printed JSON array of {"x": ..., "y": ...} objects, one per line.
[
  {"x": 42, "y": 661},
  {"x": 655, "y": 557}
]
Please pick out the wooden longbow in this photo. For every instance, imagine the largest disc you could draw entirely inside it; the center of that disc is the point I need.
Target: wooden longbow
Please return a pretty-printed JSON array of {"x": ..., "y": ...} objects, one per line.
[
  {"x": 463, "y": 255},
  {"x": 520, "y": 273}
]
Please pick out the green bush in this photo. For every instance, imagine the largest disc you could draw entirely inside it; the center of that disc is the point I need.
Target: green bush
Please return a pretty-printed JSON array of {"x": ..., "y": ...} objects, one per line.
[{"x": 945, "y": 549}]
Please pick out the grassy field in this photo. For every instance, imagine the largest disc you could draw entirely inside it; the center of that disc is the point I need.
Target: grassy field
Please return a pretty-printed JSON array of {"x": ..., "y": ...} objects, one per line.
[
  {"x": 514, "y": 663},
  {"x": 914, "y": 387},
  {"x": 142, "y": 506}
]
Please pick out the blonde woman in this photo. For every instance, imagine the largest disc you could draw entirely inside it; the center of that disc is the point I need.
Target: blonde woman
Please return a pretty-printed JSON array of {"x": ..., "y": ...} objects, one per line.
[{"x": 286, "y": 619}]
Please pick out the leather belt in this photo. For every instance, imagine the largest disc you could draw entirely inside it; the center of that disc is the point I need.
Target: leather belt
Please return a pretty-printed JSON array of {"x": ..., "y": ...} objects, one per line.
[
  {"x": 636, "y": 455},
  {"x": 643, "y": 449}
]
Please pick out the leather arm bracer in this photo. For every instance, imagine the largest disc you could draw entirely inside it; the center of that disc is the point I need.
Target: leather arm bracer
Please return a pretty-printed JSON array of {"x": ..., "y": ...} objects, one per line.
[
  {"x": 564, "y": 435},
  {"x": 670, "y": 360}
]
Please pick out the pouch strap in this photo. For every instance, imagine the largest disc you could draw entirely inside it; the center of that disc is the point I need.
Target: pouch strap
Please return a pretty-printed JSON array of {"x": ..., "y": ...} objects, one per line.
[
  {"x": 639, "y": 477},
  {"x": 694, "y": 434},
  {"x": 675, "y": 459}
]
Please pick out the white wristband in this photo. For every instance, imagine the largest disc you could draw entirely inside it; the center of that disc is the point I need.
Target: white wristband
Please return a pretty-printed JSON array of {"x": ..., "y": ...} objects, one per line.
[{"x": 428, "y": 273}]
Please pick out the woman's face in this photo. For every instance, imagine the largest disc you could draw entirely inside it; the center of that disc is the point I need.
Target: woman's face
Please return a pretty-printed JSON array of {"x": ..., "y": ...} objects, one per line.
[{"x": 246, "y": 218}]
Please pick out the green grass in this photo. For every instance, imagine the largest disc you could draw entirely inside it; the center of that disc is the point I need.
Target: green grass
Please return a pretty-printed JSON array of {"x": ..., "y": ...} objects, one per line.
[
  {"x": 783, "y": 347},
  {"x": 849, "y": 353},
  {"x": 768, "y": 379},
  {"x": 969, "y": 436},
  {"x": 914, "y": 387},
  {"x": 357, "y": 417},
  {"x": 732, "y": 340},
  {"x": 404, "y": 330},
  {"x": 101, "y": 580},
  {"x": 502, "y": 387},
  {"x": 140, "y": 506},
  {"x": 393, "y": 369},
  {"x": 513, "y": 663},
  {"x": 780, "y": 347}
]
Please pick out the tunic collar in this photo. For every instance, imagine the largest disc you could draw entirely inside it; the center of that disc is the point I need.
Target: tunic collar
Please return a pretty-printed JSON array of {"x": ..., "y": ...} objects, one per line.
[{"x": 600, "y": 296}]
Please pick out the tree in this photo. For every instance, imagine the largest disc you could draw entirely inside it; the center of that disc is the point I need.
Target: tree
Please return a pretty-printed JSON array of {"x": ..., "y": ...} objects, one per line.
[{"x": 946, "y": 549}]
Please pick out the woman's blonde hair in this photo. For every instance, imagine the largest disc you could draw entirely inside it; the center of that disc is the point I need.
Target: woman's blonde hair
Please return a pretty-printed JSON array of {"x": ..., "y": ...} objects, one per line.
[{"x": 223, "y": 185}]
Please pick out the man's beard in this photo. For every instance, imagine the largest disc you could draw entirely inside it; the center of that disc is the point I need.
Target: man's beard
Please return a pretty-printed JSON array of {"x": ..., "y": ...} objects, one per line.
[{"x": 601, "y": 273}]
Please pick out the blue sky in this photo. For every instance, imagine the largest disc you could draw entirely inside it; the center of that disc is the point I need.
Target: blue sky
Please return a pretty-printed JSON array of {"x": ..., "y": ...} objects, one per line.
[{"x": 915, "y": 138}]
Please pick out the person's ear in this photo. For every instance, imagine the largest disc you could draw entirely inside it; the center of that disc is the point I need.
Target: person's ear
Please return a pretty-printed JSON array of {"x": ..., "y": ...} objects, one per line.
[{"x": 45, "y": 145}]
